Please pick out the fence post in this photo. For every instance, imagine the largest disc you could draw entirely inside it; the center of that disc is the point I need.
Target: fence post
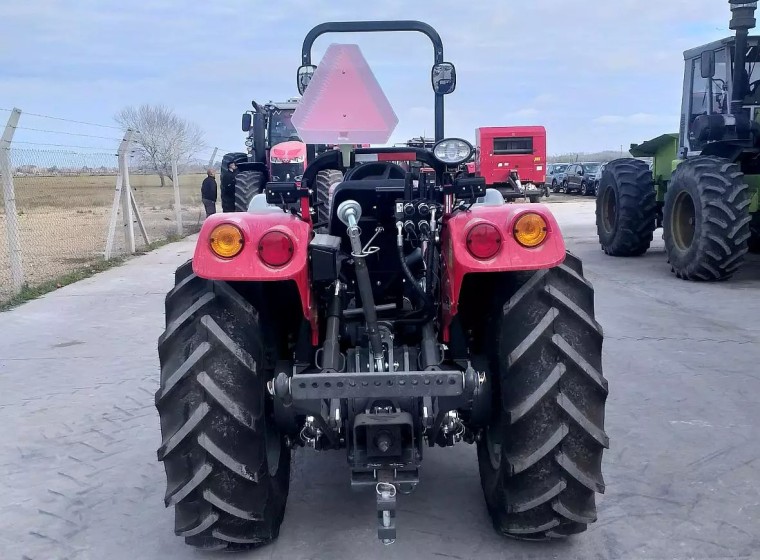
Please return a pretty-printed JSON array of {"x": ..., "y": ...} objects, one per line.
[
  {"x": 177, "y": 201},
  {"x": 9, "y": 196},
  {"x": 122, "y": 180}
]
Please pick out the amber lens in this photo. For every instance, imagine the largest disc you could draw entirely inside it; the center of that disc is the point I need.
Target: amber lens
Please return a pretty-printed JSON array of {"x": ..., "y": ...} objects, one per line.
[
  {"x": 226, "y": 240},
  {"x": 530, "y": 230}
]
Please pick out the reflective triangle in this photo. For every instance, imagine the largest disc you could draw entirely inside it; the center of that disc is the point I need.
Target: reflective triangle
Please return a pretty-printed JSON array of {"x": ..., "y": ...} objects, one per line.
[{"x": 344, "y": 103}]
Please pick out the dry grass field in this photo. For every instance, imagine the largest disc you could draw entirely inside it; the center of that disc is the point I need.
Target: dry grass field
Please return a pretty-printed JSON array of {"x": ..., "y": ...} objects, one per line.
[{"x": 63, "y": 221}]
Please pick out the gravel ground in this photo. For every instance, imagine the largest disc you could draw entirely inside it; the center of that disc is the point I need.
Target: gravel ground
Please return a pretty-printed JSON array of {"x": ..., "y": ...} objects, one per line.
[{"x": 79, "y": 478}]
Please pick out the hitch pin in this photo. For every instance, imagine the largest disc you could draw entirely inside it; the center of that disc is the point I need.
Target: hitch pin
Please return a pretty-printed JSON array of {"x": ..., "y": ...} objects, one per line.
[
  {"x": 386, "y": 491},
  {"x": 378, "y": 231}
]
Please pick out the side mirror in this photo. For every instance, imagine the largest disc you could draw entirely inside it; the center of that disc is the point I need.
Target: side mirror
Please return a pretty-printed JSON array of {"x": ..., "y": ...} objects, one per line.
[
  {"x": 707, "y": 64},
  {"x": 303, "y": 77},
  {"x": 246, "y": 124},
  {"x": 444, "y": 78}
]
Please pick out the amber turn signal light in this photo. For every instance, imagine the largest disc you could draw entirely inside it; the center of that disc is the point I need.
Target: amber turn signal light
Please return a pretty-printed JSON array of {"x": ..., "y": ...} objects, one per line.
[
  {"x": 530, "y": 230},
  {"x": 226, "y": 241}
]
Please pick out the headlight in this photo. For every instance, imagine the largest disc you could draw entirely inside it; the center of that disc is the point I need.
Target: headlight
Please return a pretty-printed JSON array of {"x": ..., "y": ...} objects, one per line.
[
  {"x": 298, "y": 159},
  {"x": 273, "y": 159},
  {"x": 452, "y": 151}
]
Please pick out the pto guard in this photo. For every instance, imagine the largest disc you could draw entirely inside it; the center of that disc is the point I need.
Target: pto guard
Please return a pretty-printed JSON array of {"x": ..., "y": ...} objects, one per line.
[
  {"x": 457, "y": 260},
  {"x": 247, "y": 266}
]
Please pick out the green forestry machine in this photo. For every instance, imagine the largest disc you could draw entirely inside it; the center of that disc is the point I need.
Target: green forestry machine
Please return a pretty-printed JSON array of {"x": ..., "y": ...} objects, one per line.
[{"x": 704, "y": 187}]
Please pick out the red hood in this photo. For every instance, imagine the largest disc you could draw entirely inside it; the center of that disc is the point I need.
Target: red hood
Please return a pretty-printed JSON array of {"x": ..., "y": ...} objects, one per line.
[{"x": 288, "y": 150}]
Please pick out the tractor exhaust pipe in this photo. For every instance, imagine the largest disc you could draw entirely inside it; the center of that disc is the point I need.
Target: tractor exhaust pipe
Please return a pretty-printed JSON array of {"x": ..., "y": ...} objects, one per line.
[{"x": 742, "y": 20}]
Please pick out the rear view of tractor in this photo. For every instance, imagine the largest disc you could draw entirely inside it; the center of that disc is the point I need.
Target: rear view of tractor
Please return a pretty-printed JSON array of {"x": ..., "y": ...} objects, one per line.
[
  {"x": 704, "y": 189},
  {"x": 420, "y": 314}
]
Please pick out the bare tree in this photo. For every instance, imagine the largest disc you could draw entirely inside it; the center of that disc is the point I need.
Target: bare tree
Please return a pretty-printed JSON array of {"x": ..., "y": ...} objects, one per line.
[{"x": 161, "y": 135}]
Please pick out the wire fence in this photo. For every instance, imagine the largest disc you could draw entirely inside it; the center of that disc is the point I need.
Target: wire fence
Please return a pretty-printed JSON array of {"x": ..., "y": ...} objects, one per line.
[{"x": 65, "y": 207}]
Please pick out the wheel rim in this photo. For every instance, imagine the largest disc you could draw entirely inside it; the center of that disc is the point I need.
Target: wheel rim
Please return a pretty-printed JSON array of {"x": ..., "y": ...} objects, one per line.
[
  {"x": 583, "y": 190},
  {"x": 609, "y": 209},
  {"x": 683, "y": 224},
  {"x": 493, "y": 445},
  {"x": 273, "y": 443}
]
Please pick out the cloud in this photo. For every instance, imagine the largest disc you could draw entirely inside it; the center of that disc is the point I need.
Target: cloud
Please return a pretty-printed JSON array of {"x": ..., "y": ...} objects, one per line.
[{"x": 586, "y": 74}]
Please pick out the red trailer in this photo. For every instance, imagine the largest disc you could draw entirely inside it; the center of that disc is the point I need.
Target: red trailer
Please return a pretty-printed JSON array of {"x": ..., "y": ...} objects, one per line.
[{"x": 512, "y": 159}]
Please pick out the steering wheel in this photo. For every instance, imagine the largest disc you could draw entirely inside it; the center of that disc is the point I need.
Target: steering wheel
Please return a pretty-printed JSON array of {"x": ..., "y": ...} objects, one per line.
[{"x": 753, "y": 87}]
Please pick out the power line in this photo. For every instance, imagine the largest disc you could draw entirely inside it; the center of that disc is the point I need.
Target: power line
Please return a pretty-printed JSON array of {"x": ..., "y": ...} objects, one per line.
[
  {"x": 68, "y": 133},
  {"x": 60, "y": 145},
  {"x": 65, "y": 120}
]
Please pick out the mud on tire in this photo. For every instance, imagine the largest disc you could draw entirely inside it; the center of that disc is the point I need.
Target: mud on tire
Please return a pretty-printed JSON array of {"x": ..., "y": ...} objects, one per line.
[
  {"x": 540, "y": 459},
  {"x": 706, "y": 219},
  {"x": 247, "y": 185},
  {"x": 626, "y": 208},
  {"x": 227, "y": 469}
]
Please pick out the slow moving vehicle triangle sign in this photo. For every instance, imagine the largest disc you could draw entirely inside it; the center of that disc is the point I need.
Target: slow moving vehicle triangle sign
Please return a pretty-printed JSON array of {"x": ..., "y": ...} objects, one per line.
[{"x": 344, "y": 103}]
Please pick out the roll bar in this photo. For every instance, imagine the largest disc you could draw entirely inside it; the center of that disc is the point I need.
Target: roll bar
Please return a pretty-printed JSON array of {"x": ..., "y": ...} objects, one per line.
[{"x": 377, "y": 26}]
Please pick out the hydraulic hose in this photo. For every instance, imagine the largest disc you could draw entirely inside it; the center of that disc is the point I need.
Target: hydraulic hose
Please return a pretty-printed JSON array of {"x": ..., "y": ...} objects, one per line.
[{"x": 428, "y": 309}]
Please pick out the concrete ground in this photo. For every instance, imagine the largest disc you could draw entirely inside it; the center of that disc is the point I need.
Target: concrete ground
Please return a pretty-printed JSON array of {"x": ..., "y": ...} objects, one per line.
[{"x": 79, "y": 478}]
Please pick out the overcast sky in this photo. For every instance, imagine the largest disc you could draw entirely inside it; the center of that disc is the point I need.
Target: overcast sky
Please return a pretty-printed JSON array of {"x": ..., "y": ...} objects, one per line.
[{"x": 597, "y": 73}]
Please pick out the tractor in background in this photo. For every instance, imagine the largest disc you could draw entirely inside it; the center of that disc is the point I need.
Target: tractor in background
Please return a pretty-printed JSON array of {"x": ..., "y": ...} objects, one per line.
[
  {"x": 275, "y": 152},
  {"x": 420, "y": 315},
  {"x": 703, "y": 189}
]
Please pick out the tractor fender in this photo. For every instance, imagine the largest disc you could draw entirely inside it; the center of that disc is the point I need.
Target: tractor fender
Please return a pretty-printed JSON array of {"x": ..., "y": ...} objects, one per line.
[
  {"x": 247, "y": 266},
  {"x": 511, "y": 257}
]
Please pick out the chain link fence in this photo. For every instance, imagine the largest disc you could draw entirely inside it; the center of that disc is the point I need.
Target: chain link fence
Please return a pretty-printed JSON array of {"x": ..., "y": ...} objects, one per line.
[{"x": 64, "y": 202}]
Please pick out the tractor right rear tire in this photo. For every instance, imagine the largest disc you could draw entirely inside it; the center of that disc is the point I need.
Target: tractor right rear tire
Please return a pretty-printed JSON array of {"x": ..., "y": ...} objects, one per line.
[
  {"x": 626, "y": 208},
  {"x": 541, "y": 457},
  {"x": 247, "y": 185},
  {"x": 706, "y": 219},
  {"x": 325, "y": 180},
  {"x": 227, "y": 467}
]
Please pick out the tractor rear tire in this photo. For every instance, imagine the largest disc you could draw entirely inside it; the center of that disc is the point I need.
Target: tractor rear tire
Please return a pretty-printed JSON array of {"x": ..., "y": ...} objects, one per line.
[
  {"x": 325, "y": 180},
  {"x": 706, "y": 219},
  {"x": 541, "y": 457},
  {"x": 626, "y": 208},
  {"x": 247, "y": 185},
  {"x": 227, "y": 468}
]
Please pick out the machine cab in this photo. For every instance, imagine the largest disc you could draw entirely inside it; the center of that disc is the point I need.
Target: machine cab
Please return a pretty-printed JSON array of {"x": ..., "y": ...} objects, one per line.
[{"x": 709, "y": 84}]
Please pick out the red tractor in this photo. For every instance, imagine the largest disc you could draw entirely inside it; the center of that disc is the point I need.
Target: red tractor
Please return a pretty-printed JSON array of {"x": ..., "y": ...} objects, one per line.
[
  {"x": 416, "y": 316},
  {"x": 512, "y": 159},
  {"x": 275, "y": 152}
]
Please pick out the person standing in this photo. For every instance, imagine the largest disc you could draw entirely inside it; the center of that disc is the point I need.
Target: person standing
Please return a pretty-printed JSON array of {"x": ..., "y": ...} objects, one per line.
[
  {"x": 208, "y": 192},
  {"x": 228, "y": 188}
]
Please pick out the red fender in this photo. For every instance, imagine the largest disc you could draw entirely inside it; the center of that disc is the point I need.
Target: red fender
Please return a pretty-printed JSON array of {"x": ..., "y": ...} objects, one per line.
[
  {"x": 247, "y": 266},
  {"x": 458, "y": 262}
]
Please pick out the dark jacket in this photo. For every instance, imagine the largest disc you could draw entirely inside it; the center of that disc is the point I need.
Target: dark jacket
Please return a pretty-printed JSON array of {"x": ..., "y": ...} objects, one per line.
[
  {"x": 228, "y": 191},
  {"x": 208, "y": 189}
]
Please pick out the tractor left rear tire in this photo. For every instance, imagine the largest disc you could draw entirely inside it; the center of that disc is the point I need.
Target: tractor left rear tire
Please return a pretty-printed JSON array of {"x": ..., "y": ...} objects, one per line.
[
  {"x": 541, "y": 456},
  {"x": 247, "y": 185},
  {"x": 325, "y": 180},
  {"x": 227, "y": 467}
]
